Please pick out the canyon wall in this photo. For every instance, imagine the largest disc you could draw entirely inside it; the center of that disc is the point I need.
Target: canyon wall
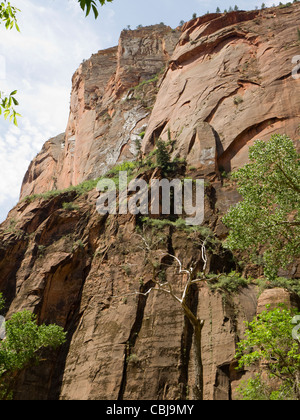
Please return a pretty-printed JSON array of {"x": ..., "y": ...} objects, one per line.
[
  {"x": 213, "y": 86},
  {"x": 229, "y": 83},
  {"x": 109, "y": 108},
  {"x": 216, "y": 85}
]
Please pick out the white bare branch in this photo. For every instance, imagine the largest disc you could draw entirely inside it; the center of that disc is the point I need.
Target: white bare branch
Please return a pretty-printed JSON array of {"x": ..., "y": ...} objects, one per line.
[
  {"x": 145, "y": 242},
  {"x": 204, "y": 254},
  {"x": 167, "y": 288},
  {"x": 181, "y": 271}
]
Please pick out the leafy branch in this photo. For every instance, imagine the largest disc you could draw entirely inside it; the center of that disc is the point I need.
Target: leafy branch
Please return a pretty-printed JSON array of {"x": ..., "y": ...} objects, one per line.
[
  {"x": 88, "y": 5},
  {"x": 8, "y": 15},
  {"x": 7, "y": 104}
]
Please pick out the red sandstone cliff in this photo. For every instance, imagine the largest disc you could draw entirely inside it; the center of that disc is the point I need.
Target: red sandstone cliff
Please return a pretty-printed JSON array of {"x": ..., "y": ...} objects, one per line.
[
  {"x": 106, "y": 116},
  {"x": 227, "y": 82}
]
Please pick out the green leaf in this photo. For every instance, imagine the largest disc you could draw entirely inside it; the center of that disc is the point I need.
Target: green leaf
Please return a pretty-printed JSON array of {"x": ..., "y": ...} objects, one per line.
[
  {"x": 268, "y": 215},
  {"x": 22, "y": 346},
  {"x": 89, "y": 5}
]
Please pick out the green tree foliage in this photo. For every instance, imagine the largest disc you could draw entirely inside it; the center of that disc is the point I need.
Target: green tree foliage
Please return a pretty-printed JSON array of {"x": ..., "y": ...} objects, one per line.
[
  {"x": 8, "y": 17},
  {"x": 88, "y": 5},
  {"x": 162, "y": 155},
  {"x": 269, "y": 340},
  {"x": 266, "y": 222},
  {"x": 7, "y": 104},
  {"x": 23, "y": 347}
]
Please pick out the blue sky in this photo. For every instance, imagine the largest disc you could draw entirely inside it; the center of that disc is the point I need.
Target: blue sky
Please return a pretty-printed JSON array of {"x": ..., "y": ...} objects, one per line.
[{"x": 39, "y": 62}]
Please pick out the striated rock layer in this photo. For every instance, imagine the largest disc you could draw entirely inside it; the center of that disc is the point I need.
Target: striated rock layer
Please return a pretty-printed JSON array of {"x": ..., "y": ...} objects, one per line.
[
  {"x": 81, "y": 270},
  {"x": 228, "y": 82},
  {"x": 215, "y": 87},
  {"x": 106, "y": 113}
]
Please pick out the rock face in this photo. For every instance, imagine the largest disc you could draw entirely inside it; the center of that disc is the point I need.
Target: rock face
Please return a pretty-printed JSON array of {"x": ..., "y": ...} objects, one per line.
[
  {"x": 110, "y": 107},
  {"x": 230, "y": 75},
  {"x": 81, "y": 270},
  {"x": 228, "y": 83},
  {"x": 214, "y": 87}
]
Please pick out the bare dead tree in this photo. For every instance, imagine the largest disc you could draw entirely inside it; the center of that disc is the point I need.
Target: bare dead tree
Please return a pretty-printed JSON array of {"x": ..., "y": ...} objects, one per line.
[{"x": 197, "y": 324}]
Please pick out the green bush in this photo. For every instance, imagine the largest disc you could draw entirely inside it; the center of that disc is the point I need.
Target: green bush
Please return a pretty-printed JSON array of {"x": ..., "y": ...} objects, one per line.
[
  {"x": 70, "y": 206},
  {"x": 122, "y": 167},
  {"x": 238, "y": 100},
  {"x": 23, "y": 347},
  {"x": 269, "y": 340},
  {"x": 231, "y": 283},
  {"x": 292, "y": 285},
  {"x": 255, "y": 389}
]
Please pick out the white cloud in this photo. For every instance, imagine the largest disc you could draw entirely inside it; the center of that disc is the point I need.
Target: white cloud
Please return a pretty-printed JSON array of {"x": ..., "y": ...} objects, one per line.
[{"x": 17, "y": 147}]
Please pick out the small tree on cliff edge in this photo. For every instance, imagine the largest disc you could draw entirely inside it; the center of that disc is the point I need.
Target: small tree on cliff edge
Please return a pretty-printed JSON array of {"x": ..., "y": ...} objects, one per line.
[
  {"x": 22, "y": 346},
  {"x": 162, "y": 155},
  {"x": 267, "y": 221}
]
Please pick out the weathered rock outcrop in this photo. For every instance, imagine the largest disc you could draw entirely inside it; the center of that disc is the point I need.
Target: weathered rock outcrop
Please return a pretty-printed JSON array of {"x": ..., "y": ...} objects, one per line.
[
  {"x": 109, "y": 108},
  {"x": 230, "y": 75},
  {"x": 227, "y": 81},
  {"x": 274, "y": 297},
  {"x": 81, "y": 270}
]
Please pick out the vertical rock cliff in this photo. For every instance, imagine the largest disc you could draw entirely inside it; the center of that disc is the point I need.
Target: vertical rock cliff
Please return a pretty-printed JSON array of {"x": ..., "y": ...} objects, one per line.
[
  {"x": 214, "y": 87},
  {"x": 111, "y": 102},
  {"x": 230, "y": 81}
]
